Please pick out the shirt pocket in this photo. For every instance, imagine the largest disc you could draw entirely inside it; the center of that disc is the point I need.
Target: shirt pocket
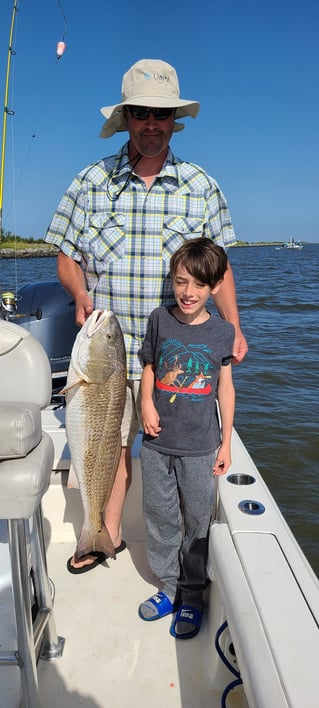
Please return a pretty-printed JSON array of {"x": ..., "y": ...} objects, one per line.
[
  {"x": 177, "y": 230},
  {"x": 105, "y": 237}
]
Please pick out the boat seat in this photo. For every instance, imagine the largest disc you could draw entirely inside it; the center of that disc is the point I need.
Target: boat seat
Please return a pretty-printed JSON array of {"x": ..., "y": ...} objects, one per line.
[{"x": 26, "y": 458}]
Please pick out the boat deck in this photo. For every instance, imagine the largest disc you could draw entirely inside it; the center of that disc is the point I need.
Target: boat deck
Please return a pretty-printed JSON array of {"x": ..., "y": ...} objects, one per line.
[
  {"x": 262, "y": 584},
  {"x": 112, "y": 657}
]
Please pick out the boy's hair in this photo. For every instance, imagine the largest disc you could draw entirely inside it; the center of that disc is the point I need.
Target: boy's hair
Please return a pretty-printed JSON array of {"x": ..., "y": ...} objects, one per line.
[{"x": 202, "y": 259}]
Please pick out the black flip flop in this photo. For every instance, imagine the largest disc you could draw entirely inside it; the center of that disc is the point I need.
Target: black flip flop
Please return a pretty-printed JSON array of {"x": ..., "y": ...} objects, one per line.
[
  {"x": 99, "y": 558},
  {"x": 120, "y": 548}
]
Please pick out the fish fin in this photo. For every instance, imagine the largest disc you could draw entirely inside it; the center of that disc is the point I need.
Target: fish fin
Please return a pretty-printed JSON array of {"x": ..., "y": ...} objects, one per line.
[
  {"x": 91, "y": 541},
  {"x": 73, "y": 482},
  {"x": 79, "y": 382},
  {"x": 67, "y": 388}
]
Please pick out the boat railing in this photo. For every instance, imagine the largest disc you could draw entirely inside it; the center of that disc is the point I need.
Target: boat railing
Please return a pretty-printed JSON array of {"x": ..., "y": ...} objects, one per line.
[{"x": 265, "y": 589}]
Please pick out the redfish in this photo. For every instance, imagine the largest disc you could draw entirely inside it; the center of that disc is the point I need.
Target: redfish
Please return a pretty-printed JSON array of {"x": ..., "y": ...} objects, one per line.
[{"x": 95, "y": 396}]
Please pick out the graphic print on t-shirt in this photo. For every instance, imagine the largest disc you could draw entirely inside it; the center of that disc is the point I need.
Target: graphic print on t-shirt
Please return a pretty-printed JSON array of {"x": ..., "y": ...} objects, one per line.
[{"x": 184, "y": 370}]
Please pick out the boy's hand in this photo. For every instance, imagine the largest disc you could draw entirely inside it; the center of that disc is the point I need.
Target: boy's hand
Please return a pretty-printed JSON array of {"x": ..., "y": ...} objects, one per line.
[
  {"x": 150, "y": 418},
  {"x": 222, "y": 462}
]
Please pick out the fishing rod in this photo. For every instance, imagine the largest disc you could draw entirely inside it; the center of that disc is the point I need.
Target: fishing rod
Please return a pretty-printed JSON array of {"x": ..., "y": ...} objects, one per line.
[
  {"x": 61, "y": 46},
  {"x": 9, "y": 299},
  {"x": 6, "y": 111}
]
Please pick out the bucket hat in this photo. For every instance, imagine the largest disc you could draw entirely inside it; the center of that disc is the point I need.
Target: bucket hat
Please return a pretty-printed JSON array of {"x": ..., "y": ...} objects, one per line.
[{"x": 152, "y": 83}]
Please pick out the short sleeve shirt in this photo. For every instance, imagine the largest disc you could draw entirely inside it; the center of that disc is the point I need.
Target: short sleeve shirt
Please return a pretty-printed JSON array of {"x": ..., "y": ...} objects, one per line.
[{"x": 187, "y": 361}]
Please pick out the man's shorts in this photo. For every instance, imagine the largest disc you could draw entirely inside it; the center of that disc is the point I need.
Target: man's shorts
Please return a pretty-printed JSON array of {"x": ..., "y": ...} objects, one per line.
[{"x": 132, "y": 420}]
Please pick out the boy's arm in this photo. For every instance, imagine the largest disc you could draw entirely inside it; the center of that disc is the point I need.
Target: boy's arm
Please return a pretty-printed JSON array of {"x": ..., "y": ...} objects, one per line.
[
  {"x": 226, "y": 400},
  {"x": 150, "y": 416}
]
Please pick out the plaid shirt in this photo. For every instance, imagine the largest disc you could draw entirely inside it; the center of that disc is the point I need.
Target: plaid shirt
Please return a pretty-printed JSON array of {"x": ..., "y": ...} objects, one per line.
[{"x": 124, "y": 234}]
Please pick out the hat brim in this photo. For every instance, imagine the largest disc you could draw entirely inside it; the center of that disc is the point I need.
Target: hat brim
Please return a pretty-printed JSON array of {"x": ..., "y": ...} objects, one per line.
[{"x": 116, "y": 122}]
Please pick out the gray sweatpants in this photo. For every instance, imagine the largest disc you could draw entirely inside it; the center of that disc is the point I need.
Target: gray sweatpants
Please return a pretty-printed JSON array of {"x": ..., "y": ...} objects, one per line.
[{"x": 178, "y": 497}]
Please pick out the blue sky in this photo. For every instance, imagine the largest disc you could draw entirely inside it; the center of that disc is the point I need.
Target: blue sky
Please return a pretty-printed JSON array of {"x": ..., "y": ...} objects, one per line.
[{"x": 252, "y": 65}]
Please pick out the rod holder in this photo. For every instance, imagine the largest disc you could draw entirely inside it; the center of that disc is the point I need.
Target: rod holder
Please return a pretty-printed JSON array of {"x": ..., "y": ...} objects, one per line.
[{"x": 252, "y": 507}]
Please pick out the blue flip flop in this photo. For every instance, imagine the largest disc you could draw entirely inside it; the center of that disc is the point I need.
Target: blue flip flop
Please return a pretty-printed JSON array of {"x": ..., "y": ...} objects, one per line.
[
  {"x": 161, "y": 604},
  {"x": 187, "y": 614}
]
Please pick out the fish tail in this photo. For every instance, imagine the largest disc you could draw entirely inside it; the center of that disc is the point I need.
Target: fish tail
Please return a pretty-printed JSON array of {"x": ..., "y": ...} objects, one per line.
[{"x": 91, "y": 541}]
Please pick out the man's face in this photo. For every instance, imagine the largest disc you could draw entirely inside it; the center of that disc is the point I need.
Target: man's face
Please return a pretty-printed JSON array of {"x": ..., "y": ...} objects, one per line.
[{"x": 150, "y": 137}]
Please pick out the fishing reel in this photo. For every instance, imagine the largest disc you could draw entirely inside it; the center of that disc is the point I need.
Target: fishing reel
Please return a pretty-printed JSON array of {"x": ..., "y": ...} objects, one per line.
[
  {"x": 8, "y": 308},
  {"x": 8, "y": 305}
]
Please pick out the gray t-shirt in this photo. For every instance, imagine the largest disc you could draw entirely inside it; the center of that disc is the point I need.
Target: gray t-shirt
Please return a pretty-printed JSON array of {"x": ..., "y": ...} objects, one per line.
[{"x": 187, "y": 360}]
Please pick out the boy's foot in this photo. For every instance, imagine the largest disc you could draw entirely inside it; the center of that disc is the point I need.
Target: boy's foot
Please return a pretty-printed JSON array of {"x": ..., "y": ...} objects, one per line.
[
  {"x": 157, "y": 606},
  {"x": 186, "y": 623}
]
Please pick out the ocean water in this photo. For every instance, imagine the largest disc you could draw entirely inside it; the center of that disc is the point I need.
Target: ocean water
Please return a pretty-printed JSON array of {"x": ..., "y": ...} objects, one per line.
[{"x": 277, "y": 385}]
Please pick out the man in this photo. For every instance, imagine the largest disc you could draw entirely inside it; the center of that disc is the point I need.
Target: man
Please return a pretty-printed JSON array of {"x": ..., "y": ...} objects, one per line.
[{"x": 120, "y": 221}]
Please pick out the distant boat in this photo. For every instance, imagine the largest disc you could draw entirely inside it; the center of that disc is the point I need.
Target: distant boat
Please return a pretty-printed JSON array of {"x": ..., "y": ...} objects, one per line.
[{"x": 295, "y": 245}]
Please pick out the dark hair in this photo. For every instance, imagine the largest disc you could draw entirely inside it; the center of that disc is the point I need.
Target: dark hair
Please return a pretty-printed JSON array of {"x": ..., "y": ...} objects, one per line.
[{"x": 203, "y": 259}]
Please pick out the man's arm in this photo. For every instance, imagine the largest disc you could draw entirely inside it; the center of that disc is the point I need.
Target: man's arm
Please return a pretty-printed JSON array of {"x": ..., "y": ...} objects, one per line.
[
  {"x": 226, "y": 303},
  {"x": 72, "y": 279}
]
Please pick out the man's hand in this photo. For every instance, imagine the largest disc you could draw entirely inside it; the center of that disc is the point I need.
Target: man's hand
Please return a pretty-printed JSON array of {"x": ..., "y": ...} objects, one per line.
[
  {"x": 83, "y": 308},
  {"x": 240, "y": 347}
]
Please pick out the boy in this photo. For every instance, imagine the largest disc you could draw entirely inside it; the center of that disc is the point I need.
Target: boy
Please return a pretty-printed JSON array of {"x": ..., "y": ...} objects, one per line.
[{"x": 187, "y": 355}]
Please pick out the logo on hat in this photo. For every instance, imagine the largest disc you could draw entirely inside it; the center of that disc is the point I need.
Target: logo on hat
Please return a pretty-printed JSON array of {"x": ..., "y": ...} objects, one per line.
[{"x": 148, "y": 76}]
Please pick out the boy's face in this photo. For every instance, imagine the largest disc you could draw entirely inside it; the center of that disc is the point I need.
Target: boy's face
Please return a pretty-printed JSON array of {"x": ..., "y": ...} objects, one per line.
[{"x": 191, "y": 295}]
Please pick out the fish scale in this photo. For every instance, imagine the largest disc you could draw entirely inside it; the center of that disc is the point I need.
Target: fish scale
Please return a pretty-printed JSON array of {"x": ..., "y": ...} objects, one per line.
[
  {"x": 104, "y": 441},
  {"x": 95, "y": 399}
]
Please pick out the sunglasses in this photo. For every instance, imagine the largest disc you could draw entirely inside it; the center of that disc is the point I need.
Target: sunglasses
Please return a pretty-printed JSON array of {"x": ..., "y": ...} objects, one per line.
[{"x": 142, "y": 113}]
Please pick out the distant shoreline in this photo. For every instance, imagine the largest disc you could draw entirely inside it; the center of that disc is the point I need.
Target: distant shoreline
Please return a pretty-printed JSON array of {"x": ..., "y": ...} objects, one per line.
[
  {"x": 47, "y": 251},
  {"x": 29, "y": 252}
]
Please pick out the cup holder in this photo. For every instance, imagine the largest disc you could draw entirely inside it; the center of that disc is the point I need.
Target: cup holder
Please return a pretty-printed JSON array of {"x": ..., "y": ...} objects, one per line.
[
  {"x": 249, "y": 506},
  {"x": 241, "y": 479}
]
